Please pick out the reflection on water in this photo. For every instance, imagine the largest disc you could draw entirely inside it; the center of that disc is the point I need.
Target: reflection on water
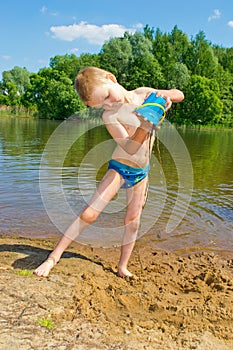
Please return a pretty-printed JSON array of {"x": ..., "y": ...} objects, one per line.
[
  {"x": 208, "y": 220},
  {"x": 21, "y": 145}
]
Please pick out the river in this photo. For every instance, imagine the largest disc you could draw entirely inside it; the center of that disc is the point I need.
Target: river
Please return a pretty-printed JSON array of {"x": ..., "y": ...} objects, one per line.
[{"x": 50, "y": 169}]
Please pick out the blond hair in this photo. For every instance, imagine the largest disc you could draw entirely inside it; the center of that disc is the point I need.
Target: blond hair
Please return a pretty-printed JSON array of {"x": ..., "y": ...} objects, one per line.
[{"x": 87, "y": 79}]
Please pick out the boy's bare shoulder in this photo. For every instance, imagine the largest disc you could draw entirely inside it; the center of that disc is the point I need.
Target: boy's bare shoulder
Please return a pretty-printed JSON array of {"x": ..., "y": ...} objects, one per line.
[
  {"x": 123, "y": 109},
  {"x": 110, "y": 116}
]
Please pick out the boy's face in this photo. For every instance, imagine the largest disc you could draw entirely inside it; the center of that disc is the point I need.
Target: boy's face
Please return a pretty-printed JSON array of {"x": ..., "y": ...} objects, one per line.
[{"x": 107, "y": 96}]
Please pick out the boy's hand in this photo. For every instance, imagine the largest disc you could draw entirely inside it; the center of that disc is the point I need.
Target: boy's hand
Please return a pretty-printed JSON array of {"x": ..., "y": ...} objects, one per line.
[
  {"x": 145, "y": 124},
  {"x": 153, "y": 109},
  {"x": 167, "y": 98}
]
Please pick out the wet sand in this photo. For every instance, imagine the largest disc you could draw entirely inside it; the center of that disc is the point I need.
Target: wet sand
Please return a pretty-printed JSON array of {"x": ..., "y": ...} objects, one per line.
[{"x": 178, "y": 302}]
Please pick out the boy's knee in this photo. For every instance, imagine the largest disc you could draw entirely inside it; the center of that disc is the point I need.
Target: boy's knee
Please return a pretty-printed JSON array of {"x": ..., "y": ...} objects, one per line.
[
  {"x": 133, "y": 215},
  {"x": 133, "y": 220},
  {"x": 89, "y": 215}
]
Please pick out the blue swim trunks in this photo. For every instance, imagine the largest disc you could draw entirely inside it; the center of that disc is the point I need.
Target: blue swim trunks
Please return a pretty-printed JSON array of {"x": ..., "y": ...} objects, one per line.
[{"x": 131, "y": 175}]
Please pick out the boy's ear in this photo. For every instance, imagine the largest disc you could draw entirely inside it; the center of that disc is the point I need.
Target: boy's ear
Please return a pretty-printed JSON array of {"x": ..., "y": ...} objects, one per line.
[{"x": 111, "y": 77}]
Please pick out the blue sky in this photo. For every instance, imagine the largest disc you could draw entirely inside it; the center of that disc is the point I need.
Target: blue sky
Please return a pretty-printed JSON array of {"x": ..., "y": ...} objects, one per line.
[{"x": 33, "y": 31}]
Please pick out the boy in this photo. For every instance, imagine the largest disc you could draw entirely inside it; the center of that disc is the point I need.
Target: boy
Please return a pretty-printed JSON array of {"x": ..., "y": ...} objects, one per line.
[{"x": 129, "y": 165}]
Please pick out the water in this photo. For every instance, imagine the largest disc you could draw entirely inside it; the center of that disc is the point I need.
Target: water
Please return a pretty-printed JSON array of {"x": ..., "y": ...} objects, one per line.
[{"x": 46, "y": 180}]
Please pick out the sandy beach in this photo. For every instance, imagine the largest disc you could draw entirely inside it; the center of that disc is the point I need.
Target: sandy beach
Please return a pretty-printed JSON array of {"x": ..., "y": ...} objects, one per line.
[{"x": 176, "y": 302}]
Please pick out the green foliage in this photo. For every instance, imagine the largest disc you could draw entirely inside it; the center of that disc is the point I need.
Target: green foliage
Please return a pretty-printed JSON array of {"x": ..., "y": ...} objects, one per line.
[
  {"x": 202, "y": 103},
  {"x": 18, "y": 76},
  {"x": 12, "y": 94},
  {"x": 145, "y": 71},
  {"x": 204, "y": 72},
  {"x": 54, "y": 94},
  {"x": 67, "y": 64},
  {"x": 180, "y": 45},
  {"x": 26, "y": 273},
  {"x": 141, "y": 46},
  {"x": 225, "y": 57},
  {"x": 45, "y": 322},
  {"x": 149, "y": 32},
  {"x": 203, "y": 61},
  {"x": 178, "y": 76},
  {"x": 70, "y": 65},
  {"x": 115, "y": 57}
]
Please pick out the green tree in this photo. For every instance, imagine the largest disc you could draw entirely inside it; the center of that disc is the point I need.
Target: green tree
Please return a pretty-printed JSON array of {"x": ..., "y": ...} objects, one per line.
[
  {"x": 3, "y": 96},
  {"x": 225, "y": 57},
  {"x": 54, "y": 95},
  {"x": 12, "y": 94},
  {"x": 143, "y": 68},
  {"x": 70, "y": 65},
  {"x": 225, "y": 81},
  {"x": 66, "y": 64},
  {"x": 180, "y": 44},
  {"x": 162, "y": 50},
  {"x": 178, "y": 76},
  {"x": 145, "y": 71},
  {"x": 149, "y": 32},
  {"x": 87, "y": 59},
  {"x": 63, "y": 98},
  {"x": 171, "y": 52},
  {"x": 200, "y": 58},
  {"x": 20, "y": 77},
  {"x": 141, "y": 46},
  {"x": 202, "y": 101},
  {"x": 115, "y": 56}
]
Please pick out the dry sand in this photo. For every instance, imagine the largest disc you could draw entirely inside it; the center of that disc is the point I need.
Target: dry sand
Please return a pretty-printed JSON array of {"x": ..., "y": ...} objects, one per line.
[{"x": 177, "y": 302}]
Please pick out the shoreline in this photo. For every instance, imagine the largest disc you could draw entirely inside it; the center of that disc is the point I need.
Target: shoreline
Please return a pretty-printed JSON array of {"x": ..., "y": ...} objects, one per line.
[
  {"x": 197, "y": 127},
  {"x": 177, "y": 302}
]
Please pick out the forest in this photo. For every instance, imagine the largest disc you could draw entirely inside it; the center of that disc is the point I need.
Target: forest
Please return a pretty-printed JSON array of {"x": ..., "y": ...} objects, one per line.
[{"x": 202, "y": 70}]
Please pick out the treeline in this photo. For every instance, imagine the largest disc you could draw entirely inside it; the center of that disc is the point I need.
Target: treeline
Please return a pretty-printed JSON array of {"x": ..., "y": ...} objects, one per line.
[{"x": 203, "y": 71}]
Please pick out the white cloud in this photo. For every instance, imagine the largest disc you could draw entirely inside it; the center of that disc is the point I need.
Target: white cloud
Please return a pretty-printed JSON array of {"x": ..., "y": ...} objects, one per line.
[
  {"x": 6, "y": 58},
  {"x": 230, "y": 23},
  {"x": 92, "y": 33},
  {"x": 74, "y": 50},
  {"x": 42, "y": 61},
  {"x": 43, "y": 9},
  {"x": 216, "y": 15}
]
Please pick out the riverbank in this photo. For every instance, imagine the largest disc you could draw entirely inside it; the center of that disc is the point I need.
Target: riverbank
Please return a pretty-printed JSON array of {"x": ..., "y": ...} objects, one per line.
[
  {"x": 176, "y": 302},
  {"x": 90, "y": 114},
  {"x": 20, "y": 112}
]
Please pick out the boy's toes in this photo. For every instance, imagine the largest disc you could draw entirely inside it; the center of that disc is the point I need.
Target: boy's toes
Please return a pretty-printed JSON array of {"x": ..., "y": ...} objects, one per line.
[
  {"x": 44, "y": 269},
  {"x": 123, "y": 272}
]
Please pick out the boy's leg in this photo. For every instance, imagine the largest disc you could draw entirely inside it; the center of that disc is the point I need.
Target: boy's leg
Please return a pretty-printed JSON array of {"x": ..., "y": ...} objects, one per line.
[
  {"x": 106, "y": 190},
  {"x": 136, "y": 197}
]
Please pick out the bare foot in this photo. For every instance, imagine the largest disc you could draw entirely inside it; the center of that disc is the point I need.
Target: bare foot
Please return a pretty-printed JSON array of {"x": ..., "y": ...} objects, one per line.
[
  {"x": 123, "y": 272},
  {"x": 44, "y": 269}
]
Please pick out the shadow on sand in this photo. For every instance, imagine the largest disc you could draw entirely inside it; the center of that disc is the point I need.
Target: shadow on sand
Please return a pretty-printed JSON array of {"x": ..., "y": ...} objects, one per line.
[{"x": 35, "y": 256}]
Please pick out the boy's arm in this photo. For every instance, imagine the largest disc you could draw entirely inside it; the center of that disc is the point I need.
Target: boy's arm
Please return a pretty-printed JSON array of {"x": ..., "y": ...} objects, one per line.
[
  {"x": 174, "y": 95},
  {"x": 133, "y": 144},
  {"x": 130, "y": 144}
]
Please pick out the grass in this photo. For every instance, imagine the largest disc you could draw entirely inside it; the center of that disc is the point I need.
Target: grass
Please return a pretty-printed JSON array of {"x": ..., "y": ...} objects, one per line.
[
  {"x": 17, "y": 115},
  {"x": 27, "y": 273},
  {"x": 45, "y": 322},
  {"x": 208, "y": 127}
]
